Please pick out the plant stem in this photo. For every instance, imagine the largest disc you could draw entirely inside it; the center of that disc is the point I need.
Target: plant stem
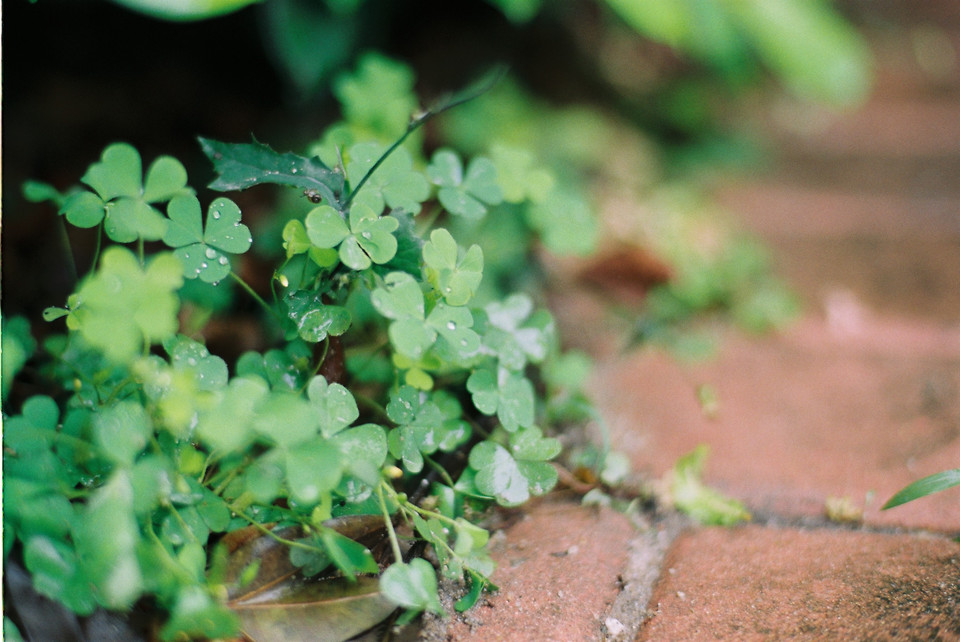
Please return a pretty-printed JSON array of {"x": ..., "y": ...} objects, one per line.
[
  {"x": 394, "y": 542},
  {"x": 256, "y": 297},
  {"x": 269, "y": 533}
]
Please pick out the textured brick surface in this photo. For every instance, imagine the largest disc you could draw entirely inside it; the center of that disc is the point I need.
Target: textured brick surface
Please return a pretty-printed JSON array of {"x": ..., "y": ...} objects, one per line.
[
  {"x": 558, "y": 571},
  {"x": 755, "y": 583},
  {"x": 802, "y": 417}
]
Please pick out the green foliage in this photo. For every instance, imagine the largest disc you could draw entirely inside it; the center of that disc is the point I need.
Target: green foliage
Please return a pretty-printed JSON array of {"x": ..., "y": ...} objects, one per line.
[
  {"x": 923, "y": 487},
  {"x": 703, "y": 503},
  {"x": 175, "y": 448}
]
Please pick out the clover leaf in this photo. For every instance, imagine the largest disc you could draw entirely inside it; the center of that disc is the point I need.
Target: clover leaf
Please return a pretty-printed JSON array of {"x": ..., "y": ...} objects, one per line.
[
  {"x": 312, "y": 469},
  {"x": 467, "y": 195},
  {"x": 511, "y": 476},
  {"x": 203, "y": 250},
  {"x": 210, "y": 371},
  {"x": 516, "y": 334},
  {"x": 412, "y": 585},
  {"x": 508, "y": 395},
  {"x": 517, "y": 176},
  {"x": 456, "y": 277},
  {"x": 565, "y": 222},
  {"x": 314, "y": 318},
  {"x": 122, "y": 198},
  {"x": 367, "y": 239},
  {"x": 296, "y": 241},
  {"x": 411, "y": 334},
  {"x": 334, "y": 403},
  {"x": 122, "y": 306},
  {"x": 395, "y": 183},
  {"x": 420, "y": 427}
]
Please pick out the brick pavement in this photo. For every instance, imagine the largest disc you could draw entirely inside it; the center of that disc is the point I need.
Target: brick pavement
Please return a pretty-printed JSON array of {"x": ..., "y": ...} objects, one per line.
[{"x": 858, "y": 398}]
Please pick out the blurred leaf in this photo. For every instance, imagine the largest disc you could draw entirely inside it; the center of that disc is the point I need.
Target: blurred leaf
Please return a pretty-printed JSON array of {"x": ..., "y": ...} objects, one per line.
[
  {"x": 179, "y": 10},
  {"x": 124, "y": 306},
  {"x": 509, "y": 395},
  {"x": 395, "y": 183},
  {"x": 466, "y": 195},
  {"x": 693, "y": 497},
  {"x": 926, "y": 486},
  {"x": 412, "y": 585},
  {"x": 314, "y": 611}
]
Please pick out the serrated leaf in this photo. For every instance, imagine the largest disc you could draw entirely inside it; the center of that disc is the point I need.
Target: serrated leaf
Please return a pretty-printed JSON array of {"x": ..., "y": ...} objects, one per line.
[
  {"x": 412, "y": 585},
  {"x": 243, "y": 165}
]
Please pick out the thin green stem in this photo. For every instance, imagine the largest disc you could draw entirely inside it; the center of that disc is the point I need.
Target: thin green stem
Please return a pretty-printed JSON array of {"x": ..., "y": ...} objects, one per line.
[
  {"x": 68, "y": 249},
  {"x": 394, "y": 542},
  {"x": 96, "y": 249},
  {"x": 269, "y": 533},
  {"x": 440, "y": 470},
  {"x": 256, "y": 297}
]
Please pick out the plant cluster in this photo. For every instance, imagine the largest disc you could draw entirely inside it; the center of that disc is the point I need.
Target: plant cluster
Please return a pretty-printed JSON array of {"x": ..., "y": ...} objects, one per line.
[{"x": 388, "y": 389}]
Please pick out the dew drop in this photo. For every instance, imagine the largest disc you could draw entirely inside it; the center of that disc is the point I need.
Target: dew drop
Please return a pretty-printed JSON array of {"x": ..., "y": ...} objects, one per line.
[
  {"x": 451, "y": 325},
  {"x": 365, "y": 235},
  {"x": 223, "y": 260},
  {"x": 216, "y": 214},
  {"x": 203, "y": 266},
  {"x": 211, "y": 253}
]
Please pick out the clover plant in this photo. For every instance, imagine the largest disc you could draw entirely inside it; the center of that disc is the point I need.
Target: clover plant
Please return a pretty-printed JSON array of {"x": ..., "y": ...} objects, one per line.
[{"x": 386, "y": 390}]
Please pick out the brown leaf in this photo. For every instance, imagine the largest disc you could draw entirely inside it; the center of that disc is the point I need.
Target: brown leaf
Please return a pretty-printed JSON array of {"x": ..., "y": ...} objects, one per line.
[{"x": 313, "y": 610}]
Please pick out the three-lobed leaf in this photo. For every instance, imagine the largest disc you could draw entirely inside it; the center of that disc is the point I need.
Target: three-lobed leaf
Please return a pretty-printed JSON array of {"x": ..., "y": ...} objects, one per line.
[
  {"x": 203, "y": 248},
  {"x": 456, "y": 277},
  {"x": 466, "y": 194}
]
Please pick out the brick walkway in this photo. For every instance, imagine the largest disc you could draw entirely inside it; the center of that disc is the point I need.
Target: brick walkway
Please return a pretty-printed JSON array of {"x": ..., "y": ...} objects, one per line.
[{"x": 857, "y": 399}]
